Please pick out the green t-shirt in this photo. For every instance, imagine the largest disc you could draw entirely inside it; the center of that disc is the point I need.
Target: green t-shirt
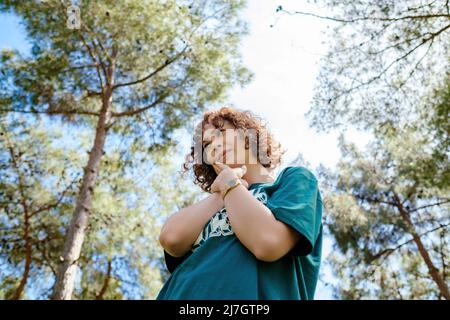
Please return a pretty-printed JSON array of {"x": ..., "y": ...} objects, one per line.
[{"x": 219, "y": 266}]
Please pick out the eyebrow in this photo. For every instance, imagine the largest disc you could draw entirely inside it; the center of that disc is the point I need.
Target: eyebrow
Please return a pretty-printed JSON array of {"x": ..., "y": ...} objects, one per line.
[{"x": 206, "y": 141}]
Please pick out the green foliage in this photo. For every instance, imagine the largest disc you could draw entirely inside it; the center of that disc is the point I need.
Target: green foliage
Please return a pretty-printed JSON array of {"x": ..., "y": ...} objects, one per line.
[
  {"x": 380, "y": 51},
  {"x": 387, "y": 206},
  {"x": 148, "y": 67},
  {"x": 131, "y": 201},
  {"x": 376, "y": 257},
  {"x": 39, "y": 180}
]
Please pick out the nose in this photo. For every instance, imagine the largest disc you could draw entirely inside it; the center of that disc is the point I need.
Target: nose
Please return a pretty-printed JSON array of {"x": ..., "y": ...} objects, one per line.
[
  {"x": 219, "y": 144},
  {"x": 217, "y": 148}
]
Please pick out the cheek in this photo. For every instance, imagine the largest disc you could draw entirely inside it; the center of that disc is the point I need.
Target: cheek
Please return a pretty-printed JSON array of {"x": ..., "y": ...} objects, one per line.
[
  {"x": 237, "y": 145},
  {"x": 209, "y": 155}
]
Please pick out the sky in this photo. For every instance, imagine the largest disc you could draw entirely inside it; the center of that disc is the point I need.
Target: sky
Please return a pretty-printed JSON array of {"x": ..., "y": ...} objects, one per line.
[
  {"x": 285, "y": 59},
  {"x": 283, "y": 51}
]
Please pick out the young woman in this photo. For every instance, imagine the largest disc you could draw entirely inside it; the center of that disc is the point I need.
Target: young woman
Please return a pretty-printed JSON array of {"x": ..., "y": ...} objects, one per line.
[{"x": 255, "y": 236}]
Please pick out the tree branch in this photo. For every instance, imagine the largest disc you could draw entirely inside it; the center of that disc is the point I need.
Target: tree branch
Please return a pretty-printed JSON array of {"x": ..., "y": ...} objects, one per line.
[
  {"x": 101, "y": 47},
  {"x": 77, "y": 112},
  {"x": 94, "y": 60},
  {"x": 168, "y": 91},
  {"x": 55, "y": 204},
  {"x": 78, "y": 67},
  {"x": 46, "y": 259},
  {"x": 389, "y": 251},
  {"x": 136, "y": 111},
  {"x": 102, "y": 292},
  {"x": 409, "y": 17},
  {"x": 373, "y": 200},
  {"x": 89, "y": 49},
  {"x": 150, "y": 75},
  {"x": 26, "y": 225},
  {"x": 432, "y": 270},
  {"x": 430, "y": 205},
  {"x": 432, "y": 36}
]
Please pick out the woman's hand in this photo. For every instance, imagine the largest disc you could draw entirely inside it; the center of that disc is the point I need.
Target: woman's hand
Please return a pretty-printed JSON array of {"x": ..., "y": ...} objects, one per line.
[
  {"x": 225, "y": 174},
  {"x": 219, "y": 166}
]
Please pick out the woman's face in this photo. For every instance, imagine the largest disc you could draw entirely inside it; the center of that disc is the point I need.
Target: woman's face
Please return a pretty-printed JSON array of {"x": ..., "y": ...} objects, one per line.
[{"x": 226, "y": 145}]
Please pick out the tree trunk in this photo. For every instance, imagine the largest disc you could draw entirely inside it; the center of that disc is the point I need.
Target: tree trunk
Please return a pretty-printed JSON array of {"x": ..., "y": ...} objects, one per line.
[
  {"x": 26, "y": 271},
  {"x": 26, "y": 229},
  {"x": 75, "y": 234},
  {"x": 432, "y": 270}
]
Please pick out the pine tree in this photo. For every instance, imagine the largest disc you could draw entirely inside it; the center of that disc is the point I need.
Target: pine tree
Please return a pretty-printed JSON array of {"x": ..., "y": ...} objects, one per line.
[{"x": 121, "y": 67}]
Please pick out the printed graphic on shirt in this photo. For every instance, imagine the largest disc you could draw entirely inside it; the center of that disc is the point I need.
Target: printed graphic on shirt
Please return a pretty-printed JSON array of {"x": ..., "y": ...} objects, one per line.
[{"x": 219, "y": 225}]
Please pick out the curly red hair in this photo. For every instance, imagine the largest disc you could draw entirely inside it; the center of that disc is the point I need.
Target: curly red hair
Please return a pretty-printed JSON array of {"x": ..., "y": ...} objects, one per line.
[{"x": 204, "y": 174}]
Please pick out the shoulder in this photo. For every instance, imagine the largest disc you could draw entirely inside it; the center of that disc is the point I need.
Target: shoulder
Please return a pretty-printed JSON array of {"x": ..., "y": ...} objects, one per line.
[
  {"x": 298, "y": 172},
  {"x": 295, "y": 179},
  {"x": 302, "y": 177}
]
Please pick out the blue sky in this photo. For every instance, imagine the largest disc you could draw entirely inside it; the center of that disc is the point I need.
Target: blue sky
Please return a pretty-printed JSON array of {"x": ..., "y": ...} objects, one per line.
[
  {"x": 12, "y": 35},
  {"x": 285, "y": 61}
]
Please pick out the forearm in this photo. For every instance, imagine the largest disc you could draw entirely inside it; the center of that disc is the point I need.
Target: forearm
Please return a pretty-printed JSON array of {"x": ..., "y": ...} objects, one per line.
[
  {"x": 182, "y": 228},
  {"x": 250, "y": 219}
]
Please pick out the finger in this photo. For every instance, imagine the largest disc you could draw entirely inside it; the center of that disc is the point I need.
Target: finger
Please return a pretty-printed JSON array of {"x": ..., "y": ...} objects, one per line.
[{"x": 240, "y": 171}]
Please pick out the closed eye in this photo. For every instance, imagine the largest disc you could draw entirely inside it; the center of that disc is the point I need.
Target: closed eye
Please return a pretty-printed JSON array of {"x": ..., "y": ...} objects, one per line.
[{"x": 208, "y": 143}]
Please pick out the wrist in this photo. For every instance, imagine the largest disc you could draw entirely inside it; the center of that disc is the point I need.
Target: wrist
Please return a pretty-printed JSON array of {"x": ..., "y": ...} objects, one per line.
[
  {"x": 232, "y": 184},
  {"x": 217, "y": 198},
  {"x": 231, "y": 191}
]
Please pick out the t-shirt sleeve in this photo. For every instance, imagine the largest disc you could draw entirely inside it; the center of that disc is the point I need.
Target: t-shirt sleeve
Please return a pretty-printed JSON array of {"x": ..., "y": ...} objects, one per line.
[
  {"x": 173, "y": 262},
  {"x": 294, "y": 203}
]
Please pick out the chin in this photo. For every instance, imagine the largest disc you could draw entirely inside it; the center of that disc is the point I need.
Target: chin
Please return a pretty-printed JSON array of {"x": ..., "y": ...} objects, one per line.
[{"x": 235, "y": 165}]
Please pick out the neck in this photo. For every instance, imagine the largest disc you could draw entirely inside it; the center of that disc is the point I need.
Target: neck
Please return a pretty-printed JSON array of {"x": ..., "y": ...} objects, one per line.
[{"x": 257, "y": 173}]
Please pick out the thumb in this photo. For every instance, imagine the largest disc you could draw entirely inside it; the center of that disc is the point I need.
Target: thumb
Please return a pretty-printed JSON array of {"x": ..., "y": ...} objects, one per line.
[{"x": 241, "y": 171}]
